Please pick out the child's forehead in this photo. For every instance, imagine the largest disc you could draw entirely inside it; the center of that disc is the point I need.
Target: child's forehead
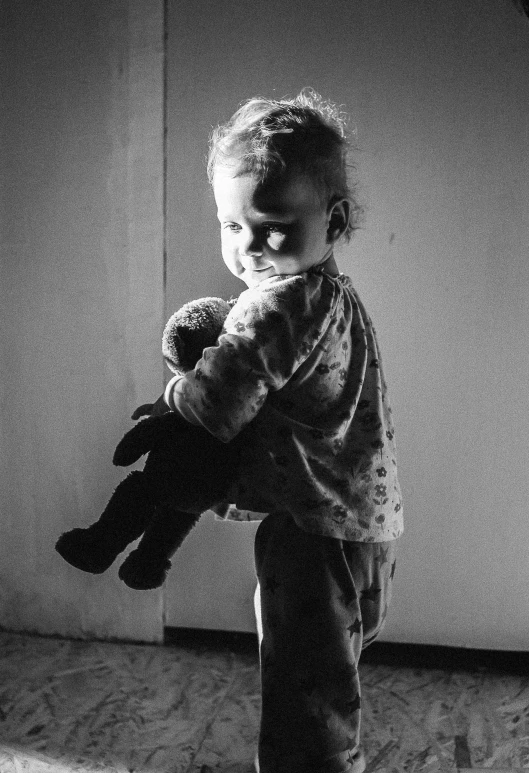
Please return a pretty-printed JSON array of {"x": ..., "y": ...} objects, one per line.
[{"x": 278, "y": 196}]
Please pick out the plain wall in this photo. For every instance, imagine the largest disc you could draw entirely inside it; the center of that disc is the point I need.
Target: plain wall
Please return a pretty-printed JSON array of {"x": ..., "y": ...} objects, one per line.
[
  {"x": 439, "y": 94},
  {"x": 81, "y": 294}
]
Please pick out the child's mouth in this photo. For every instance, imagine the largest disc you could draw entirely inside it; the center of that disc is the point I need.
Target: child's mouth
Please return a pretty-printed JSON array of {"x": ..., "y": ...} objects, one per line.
[{"x": 260, "y": 270}]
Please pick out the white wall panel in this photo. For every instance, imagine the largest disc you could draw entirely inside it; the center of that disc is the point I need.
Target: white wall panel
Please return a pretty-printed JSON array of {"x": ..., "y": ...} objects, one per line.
[{"x": 439, "y": 93}]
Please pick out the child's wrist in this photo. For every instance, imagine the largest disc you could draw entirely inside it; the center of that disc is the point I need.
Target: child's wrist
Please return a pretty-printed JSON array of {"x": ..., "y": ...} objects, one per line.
[{"x": 168, "y": 394}]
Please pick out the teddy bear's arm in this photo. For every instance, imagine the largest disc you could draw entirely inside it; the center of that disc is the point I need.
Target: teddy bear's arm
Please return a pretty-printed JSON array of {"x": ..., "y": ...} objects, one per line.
[
  {"x": 142, "y": 410},
  {"x": 151, "y": 409},
  {"x": 142, "y": 438}
]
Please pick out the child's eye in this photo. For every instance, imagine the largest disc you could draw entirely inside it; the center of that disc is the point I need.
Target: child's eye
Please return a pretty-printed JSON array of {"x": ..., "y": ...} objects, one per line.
[
  {"x": 275, "y": 228},
  {"x": 231, "y": 227}
]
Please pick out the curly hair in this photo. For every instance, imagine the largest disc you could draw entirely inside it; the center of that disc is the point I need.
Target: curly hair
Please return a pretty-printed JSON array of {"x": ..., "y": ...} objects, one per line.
[{"x": 271, "y": 139}]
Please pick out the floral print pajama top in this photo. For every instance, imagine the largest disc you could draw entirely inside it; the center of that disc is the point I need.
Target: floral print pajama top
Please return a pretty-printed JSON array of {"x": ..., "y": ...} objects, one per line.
[{"x": 297, "y": 368}]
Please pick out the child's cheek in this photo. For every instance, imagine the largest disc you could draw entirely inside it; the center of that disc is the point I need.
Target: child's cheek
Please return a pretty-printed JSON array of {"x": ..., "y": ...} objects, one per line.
[
  {"x": 278, "y": 242},
  {"x": 230, "y": 259}
]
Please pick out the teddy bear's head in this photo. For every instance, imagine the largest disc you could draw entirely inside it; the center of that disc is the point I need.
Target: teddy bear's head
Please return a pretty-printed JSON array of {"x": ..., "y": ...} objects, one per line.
[{"x": 191, "y": 329}]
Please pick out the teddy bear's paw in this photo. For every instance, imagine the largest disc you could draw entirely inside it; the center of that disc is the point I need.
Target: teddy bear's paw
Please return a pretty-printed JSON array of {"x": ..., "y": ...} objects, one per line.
[
  {"x": 86, "y": 550},
  {"x": 136, "y": 442},
  {"x": 142, "y": 410},
  {"x": 144, "y": 573}
]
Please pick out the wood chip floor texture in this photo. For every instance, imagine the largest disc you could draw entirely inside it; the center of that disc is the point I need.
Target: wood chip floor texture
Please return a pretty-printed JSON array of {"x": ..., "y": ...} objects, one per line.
[{"x": 192, "y": 708}]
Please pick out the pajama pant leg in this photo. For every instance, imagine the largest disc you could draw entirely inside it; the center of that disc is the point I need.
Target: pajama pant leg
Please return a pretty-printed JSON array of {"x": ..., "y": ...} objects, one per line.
[{"x": 322, "y": 601}]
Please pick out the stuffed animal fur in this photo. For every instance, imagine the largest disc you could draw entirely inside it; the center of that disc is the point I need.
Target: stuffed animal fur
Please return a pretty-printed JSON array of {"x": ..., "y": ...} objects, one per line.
[{"x": 187, "y": 471}]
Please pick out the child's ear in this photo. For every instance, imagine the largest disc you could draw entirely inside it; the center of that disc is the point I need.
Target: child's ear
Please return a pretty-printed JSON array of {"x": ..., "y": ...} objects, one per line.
[{"x": 339, "y": 213}]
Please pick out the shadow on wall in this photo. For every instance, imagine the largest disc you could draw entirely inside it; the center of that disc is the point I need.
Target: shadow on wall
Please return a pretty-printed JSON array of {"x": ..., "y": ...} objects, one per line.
[{"x": 522, "y": 6}]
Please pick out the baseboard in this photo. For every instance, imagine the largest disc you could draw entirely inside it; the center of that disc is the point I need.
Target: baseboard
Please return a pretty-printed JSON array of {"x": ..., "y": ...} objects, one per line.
[
  {"x": 447, "y": 658},
  {"x": 205, "y": 639},
  {"x": 379, "y": 653}
]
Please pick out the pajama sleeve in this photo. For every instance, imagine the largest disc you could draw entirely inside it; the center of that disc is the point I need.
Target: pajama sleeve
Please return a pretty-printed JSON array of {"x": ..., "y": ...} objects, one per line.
[{"x": 269, "y": 333}]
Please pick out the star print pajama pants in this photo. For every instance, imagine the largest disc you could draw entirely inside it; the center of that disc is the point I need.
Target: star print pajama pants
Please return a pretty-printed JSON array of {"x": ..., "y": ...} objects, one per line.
[{"x": 322, "y": 601}]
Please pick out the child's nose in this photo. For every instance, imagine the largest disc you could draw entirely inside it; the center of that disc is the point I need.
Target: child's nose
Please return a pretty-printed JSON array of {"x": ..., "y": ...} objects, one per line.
[{"x": 250, "y": 244}]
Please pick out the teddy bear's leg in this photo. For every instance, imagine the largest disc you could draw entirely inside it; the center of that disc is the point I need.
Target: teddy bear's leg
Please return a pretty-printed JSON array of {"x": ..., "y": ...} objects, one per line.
[
  {"x": 147, "y": 566},
  {"x": 124, "y": 519}
]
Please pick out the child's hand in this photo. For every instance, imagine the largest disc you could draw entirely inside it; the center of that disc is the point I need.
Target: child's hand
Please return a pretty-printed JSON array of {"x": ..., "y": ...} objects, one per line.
[{"x": 151, "y": 409}]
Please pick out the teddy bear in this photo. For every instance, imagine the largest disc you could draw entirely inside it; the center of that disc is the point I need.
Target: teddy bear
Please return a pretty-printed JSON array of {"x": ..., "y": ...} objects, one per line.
[{"x": 187, "y": 470}]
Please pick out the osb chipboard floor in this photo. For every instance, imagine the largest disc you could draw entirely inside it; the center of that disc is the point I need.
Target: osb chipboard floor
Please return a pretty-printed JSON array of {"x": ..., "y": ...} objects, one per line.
[{"x": 91, "y": 706}]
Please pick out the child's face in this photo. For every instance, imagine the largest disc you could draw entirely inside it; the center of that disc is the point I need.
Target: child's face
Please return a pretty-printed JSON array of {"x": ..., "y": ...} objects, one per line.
[{"x": 281, "y": 228}]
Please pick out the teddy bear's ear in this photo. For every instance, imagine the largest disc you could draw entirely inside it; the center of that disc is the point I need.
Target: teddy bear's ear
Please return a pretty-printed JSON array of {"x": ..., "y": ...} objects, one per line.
[
  {"x": 173, "y": 349},
  {"x": 190, "y": 330}
]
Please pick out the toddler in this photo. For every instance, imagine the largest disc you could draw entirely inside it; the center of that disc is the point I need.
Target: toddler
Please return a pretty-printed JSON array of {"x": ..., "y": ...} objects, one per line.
[{"x": 298, "y": 370}]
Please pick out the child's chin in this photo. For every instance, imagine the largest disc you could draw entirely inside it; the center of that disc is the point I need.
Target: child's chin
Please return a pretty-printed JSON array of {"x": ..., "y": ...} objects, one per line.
[{"x": 254, "y": 278}]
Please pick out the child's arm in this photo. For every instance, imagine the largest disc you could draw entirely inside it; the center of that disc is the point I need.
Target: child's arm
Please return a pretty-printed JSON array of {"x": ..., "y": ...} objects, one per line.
[{"x": 267, "y": 336}]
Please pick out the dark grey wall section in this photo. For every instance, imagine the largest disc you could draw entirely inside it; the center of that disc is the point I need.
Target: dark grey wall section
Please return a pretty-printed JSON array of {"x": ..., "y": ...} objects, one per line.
[{"x": 81, "y": 293}]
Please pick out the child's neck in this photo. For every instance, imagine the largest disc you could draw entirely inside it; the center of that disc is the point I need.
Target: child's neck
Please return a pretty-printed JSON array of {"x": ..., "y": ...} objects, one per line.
[{"x": 328, "y": 265}]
